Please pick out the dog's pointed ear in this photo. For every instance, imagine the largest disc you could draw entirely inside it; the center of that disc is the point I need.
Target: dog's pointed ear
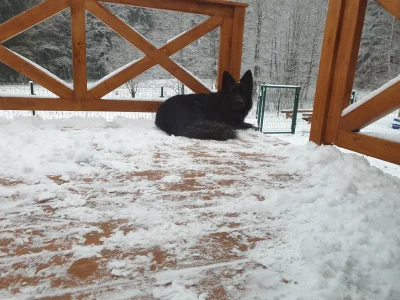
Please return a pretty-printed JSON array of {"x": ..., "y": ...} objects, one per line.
[
  {"x": 247, "y": 80},
  {"x": 227, "y": 81}
]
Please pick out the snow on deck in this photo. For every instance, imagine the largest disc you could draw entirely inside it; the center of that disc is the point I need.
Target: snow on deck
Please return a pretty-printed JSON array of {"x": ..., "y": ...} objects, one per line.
[{"x": 119, "y": 210}]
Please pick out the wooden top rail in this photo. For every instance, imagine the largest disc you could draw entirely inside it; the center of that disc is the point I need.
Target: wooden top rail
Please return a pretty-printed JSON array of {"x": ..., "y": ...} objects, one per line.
[
  {"x": 228, "y": 15},
  {"x": 205, "y": 7}
]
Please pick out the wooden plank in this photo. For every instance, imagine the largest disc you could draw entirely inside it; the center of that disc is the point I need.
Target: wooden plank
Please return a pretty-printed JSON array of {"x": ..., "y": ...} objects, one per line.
[
  {"x": 145, "y": 46},
  {"x": 189, "y": 6},
  {"x": 35, "y": 73},
  {"x": 130, "y": 71},
  {"x": 225, "y": 50},
  {"x": 121, "y": 105},
  {"x": 33, "y": 103},
  {"x": 377, "y": 107},
  {"x": 326, "y": 68},
  {"x": 54, "y": 104},
  {"x": 371, "y": 146},
  {"x": 78, "y": 25},
  {"x": 30, "y": 18},
  {"x": 392, "y": 6},
  {"x": 191, "y": 35},
  {"x": 345, "y": 65},
  {"x": 237, "y": 42}
]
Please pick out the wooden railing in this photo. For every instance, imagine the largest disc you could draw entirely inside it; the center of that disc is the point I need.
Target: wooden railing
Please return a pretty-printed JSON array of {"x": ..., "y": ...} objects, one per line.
[
  {"x": 230, "y": 16},
  {"x": 340, "y": 48}
]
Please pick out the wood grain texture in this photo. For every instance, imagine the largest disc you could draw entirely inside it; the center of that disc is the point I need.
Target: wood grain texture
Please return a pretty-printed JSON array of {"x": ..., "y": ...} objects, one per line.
[
  {"x": 326, "y": 70},
  {"x": 377, "y": 107},
  {"x": 345, "y": 65},
  {"x": 371, "y": 146},
  {"x": 34, "y": 73},
  {"x": 225, "y": 49},
  {"x": 133, "y": 70},
  {"x": 31, "y": 103},
  {"x": 31, "y": 17},
  {"x": 145, "y": 46},
  {"x": 78, "y": 24},
  {"x": 237, "y": 42},
  {"x": 392, "y": 6},
  {"x": 54, "y": 104}
]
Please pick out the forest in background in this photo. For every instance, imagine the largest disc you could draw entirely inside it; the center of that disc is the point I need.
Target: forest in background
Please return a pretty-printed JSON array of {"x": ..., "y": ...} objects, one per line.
[{"x": 282, "y": 43}]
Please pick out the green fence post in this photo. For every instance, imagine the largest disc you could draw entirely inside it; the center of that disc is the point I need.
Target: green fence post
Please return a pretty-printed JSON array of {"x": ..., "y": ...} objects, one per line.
[
  {"x": 32, "y": 93},
  {"x": 353, "y": 97},
  {"x": 259, "y": 104},
  {"x": 295, "y": 109},
  {"x": 258, "y": 111},
  {"x": 263, "y": 99}
]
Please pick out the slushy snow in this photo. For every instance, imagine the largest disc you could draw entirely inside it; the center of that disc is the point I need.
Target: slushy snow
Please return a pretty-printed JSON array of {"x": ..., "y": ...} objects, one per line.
[{"x": 334, "y": 223}]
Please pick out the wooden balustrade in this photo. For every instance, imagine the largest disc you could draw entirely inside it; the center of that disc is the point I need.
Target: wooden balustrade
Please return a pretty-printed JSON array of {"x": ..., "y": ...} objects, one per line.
[{"x": 228, "y": 15}]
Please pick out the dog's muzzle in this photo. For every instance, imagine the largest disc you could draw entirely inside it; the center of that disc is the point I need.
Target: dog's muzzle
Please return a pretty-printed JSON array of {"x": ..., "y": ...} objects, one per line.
[{"x": 239, "y": 104}]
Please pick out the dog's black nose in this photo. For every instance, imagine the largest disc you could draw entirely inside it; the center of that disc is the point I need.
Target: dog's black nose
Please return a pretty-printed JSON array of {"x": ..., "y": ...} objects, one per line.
[{"x": 239, "y": 104}]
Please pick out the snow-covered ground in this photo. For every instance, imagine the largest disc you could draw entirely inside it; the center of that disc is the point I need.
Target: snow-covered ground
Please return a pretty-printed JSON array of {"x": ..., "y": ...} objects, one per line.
[
  {"x": 309, "y": 222},
  {"x": 302, "y": 138}
]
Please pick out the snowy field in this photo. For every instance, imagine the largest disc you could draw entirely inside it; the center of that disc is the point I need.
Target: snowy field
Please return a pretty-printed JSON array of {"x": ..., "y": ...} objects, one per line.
[{"x": 253, "y": 218}]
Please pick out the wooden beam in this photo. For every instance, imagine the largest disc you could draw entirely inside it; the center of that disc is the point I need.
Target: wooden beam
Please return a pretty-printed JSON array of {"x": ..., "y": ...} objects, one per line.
[
  {"x": 392, "y": 6},
  {"x": 35, "y": 73},
  {"x": 377, "y": 107},
  {"x": 371, "y": 146},
  {"x": 191, "y": 35},
  {"x": 121, "y": 105},
  {"x": 326, "y": 68},
  {"x": 34, "y": 103},
  {"x": 131, "y": 70},
  {"x": 145, "y": 46},
  {"x": 55, "y": 104},
  {"x": 197, "y": 7},
  {"x": 30, "y": 18},
  {"x": 345, "y": 64},
  {"x": 225, "y": 49},
  {"x": 78, "y": 24},
  {"x": 237, "y": 42},
  {"x": 122, "y": 75}
]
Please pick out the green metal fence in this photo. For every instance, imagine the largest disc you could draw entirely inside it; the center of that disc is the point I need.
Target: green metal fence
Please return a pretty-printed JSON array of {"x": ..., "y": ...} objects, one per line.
[{"x": 277, "y": 108}]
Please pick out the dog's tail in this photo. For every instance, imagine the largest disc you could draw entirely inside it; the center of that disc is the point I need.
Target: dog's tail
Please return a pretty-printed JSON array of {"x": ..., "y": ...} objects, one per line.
[{"x": 209, "y": 130}]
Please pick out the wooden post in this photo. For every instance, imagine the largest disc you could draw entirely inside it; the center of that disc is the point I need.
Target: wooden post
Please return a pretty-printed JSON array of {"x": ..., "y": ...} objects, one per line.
[
  {"x": 225, "y": 49},
  {"x": 337, "y": 85},
  {"x": 239, "y": 16},
  {"x": 326, "y": 70},
  {"x": 231, "y": 45},
  {"x": 78, "y": 24}
]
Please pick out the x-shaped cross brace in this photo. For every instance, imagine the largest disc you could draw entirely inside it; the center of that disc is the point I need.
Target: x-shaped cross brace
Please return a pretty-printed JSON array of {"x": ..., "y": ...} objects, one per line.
[{"x": 154, "y": 56}]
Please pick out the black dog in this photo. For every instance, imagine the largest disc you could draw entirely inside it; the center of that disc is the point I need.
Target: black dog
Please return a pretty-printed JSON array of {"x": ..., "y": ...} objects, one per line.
[{"x": 213, "y": 116}]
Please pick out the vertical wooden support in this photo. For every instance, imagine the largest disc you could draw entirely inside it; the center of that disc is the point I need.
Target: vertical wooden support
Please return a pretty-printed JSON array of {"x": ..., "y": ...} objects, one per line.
[
  {"x": 326, "y": 70},
  {"x": 79, "y": 48},
  {"x": 225, "y": 49},
  {"x": 239, "y": 17},
  {"x": 345, "y": 65}
]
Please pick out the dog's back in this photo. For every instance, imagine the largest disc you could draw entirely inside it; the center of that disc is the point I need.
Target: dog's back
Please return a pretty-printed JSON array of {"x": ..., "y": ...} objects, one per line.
[
  {"x": 208, "y": 116},
  {"x": 194, "y": 116}
]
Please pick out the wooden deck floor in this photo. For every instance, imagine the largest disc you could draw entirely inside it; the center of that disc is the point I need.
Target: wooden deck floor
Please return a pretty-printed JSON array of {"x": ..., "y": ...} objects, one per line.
[{"x": 90, "y": 247}]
